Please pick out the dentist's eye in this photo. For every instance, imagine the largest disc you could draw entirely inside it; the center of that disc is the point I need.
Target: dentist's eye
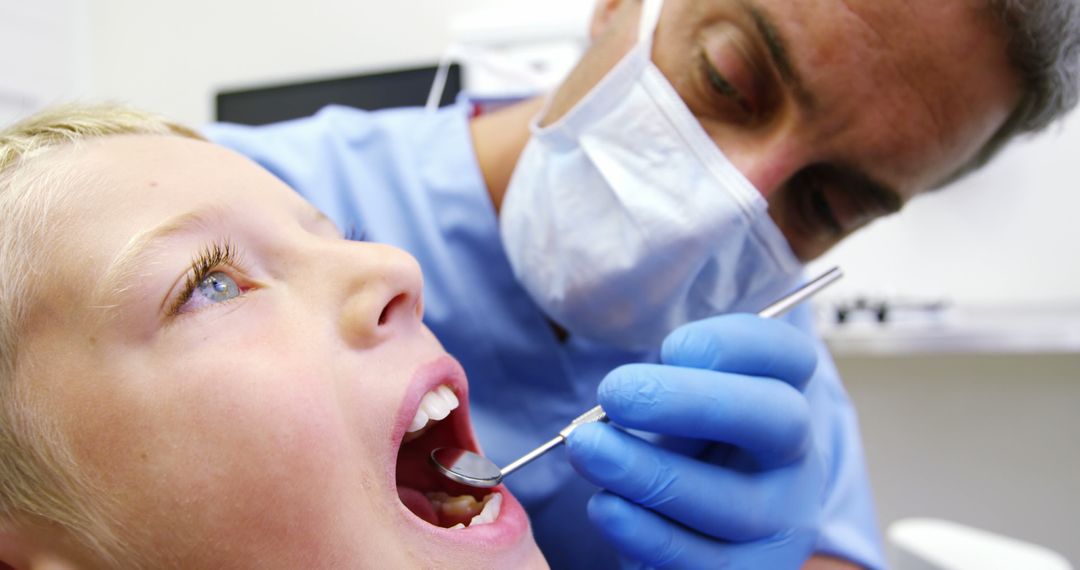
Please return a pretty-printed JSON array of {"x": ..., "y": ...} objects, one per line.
[
  {"x": 207, "y": 282},
  {"x": 733, "y": 69},
  {"x": 726, "y": 89}
]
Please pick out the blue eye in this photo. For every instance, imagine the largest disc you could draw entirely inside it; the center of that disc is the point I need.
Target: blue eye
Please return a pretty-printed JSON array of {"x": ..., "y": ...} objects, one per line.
[
  {"x": 206, "y": 283},
  {"x": 217, "y": 287}
]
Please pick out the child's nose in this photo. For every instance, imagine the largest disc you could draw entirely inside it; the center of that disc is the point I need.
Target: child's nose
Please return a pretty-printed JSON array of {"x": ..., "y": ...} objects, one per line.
[{"x": 384, "y": 296}]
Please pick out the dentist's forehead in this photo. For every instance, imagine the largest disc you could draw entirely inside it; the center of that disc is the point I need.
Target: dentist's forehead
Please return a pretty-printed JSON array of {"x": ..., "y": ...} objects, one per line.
[{"x": 908, "y": 89}]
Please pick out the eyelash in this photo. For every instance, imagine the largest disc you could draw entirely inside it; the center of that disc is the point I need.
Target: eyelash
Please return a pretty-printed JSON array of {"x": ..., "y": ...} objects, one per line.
[
  {"x": 354, "y": 234},
  {"x": 723, "y": 87},
  {"x": 211, "y": 258}
]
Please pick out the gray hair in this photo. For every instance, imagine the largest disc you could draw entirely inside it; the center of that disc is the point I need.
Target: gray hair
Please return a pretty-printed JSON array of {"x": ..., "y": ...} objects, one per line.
[{"x": 1044, "y": 48}]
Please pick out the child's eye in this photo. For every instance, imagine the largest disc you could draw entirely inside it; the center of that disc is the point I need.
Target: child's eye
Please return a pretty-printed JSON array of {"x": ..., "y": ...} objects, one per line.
[
  {"x": 217, "y": 287},
  {"x": 208, "y": 281}
]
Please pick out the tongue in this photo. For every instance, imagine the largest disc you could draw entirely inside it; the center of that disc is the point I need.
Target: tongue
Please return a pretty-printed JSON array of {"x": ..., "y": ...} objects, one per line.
[{"x": 418, "y": 504}]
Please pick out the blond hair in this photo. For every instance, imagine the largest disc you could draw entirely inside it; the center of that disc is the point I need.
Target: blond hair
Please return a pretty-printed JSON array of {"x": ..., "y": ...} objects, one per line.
[{"x": 39, "y": 482}]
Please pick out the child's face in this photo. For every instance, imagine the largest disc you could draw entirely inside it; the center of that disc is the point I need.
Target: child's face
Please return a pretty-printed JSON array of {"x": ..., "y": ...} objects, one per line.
[{"x": 255, "y": 422}]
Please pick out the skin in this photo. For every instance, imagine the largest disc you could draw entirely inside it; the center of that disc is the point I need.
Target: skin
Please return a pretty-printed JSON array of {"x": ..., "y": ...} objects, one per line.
[
  {"x": 251, "y": 433},
  {"x": 877, "y": 102},
  {"x": 901, "y": 94}
]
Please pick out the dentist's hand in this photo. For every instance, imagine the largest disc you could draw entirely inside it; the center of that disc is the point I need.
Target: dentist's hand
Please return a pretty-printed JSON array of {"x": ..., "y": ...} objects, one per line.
[{"x": 748, "y": 497}]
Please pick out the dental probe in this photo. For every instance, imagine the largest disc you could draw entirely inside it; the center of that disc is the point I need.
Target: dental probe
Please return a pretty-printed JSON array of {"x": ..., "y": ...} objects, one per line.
[{"x": 475, "y": 470}]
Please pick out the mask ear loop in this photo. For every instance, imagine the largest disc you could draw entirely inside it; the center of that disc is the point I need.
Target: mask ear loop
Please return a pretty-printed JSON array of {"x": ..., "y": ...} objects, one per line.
[
  {"x": 460, "y": 53},
  {"x": 650, "y": 15},
  {"x": 438, "y": 86}
]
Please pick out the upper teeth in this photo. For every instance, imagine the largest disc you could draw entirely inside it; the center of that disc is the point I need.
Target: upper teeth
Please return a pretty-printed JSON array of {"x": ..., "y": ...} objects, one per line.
[{"x": 435, "y": 405}]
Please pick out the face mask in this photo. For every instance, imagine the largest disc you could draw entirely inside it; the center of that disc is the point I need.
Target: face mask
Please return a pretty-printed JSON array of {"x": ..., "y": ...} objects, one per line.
[{"x": 623, "y": 220}]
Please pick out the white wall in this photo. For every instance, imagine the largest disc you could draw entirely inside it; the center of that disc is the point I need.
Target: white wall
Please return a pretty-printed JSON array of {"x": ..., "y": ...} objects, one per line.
[
  {"x": 171, "y": 57},
  {"x": 41, "y": 60},
  {"x": 987, "y": 441}
]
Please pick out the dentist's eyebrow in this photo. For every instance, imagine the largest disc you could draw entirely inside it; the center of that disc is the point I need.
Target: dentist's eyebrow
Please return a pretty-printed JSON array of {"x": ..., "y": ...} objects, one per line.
[
  {"x": 778, "y": 51},
  {"x": 139, "y": 251}
]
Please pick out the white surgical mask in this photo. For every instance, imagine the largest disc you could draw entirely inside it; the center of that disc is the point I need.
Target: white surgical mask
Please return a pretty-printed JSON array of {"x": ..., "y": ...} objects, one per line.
[{"x": 623, "y": 220}]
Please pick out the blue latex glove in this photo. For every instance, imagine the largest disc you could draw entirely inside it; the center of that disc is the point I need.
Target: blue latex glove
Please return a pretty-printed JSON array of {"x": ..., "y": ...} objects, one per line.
[{"x": 749, "y": 498}]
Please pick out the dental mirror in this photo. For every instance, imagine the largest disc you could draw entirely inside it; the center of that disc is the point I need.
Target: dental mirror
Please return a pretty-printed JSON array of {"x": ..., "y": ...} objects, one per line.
[{"x": 475, "y": 470}]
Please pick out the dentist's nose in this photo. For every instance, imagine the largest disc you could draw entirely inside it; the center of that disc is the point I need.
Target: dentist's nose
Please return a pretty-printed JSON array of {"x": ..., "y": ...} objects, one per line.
[
  {"x": 384, "y": 295},
  {"x": 767, "y": 176},
  {"x": 769, "y": 162}
]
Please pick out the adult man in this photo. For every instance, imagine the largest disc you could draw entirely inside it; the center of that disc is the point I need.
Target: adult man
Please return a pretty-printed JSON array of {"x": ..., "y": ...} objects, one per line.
[{"x": 831, "y": 112}]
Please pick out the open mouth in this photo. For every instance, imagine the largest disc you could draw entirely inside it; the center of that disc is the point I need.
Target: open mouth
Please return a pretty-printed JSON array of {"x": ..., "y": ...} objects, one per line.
[{"x": 441, "y": 421}]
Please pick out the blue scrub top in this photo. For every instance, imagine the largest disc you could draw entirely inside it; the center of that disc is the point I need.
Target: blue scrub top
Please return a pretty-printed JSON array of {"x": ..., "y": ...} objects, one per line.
[{"x": 409, "y": 177}]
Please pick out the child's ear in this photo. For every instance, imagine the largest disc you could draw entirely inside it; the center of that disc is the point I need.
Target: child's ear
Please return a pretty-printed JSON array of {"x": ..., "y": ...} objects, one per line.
[
  {"x": 23, "y": 549},
  {"x": 14, "y": 552}
]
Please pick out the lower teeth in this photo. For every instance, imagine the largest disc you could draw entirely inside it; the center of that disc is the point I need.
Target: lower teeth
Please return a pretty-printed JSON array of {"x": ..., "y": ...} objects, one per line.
[
  {"x": 490, "y": 512},
  {"x": 467, "y": 508}
]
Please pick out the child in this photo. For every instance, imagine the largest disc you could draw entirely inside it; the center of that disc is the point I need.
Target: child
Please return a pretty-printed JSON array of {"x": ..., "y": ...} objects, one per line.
[{"x": 198, "y": 371}]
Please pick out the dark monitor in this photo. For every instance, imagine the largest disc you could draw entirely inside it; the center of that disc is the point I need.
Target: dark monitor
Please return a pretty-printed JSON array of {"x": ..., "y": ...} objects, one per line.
[{"x": 270, "y": 104}]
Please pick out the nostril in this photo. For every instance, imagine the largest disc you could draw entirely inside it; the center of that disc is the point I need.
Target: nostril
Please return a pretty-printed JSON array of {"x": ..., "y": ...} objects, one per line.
[{"x": 398, "y": 301}]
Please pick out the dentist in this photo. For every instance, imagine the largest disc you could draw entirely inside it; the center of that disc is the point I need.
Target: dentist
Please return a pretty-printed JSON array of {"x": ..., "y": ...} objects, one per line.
[{"x": 578, "y": 248}]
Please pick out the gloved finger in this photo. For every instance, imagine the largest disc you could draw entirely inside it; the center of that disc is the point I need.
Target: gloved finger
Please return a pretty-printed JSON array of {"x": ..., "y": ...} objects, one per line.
[
  {"x": 657, "y": 542},
  {"x": 688, "y": 446},
  {"x": 767, "y": 418},
  {"x": 743, "y": 344},
  {"x": 715, "y": 501}
]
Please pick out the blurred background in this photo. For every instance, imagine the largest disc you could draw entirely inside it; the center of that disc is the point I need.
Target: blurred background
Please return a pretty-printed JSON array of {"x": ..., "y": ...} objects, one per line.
[{"x": 957, "y": 329}]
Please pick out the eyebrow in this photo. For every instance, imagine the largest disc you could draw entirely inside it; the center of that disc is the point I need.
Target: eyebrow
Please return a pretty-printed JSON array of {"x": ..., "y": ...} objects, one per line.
[
  {"x": 883, "y": 196},
  {"x": 136, "y": 253},
  {"x": 778, "y": 51}
]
